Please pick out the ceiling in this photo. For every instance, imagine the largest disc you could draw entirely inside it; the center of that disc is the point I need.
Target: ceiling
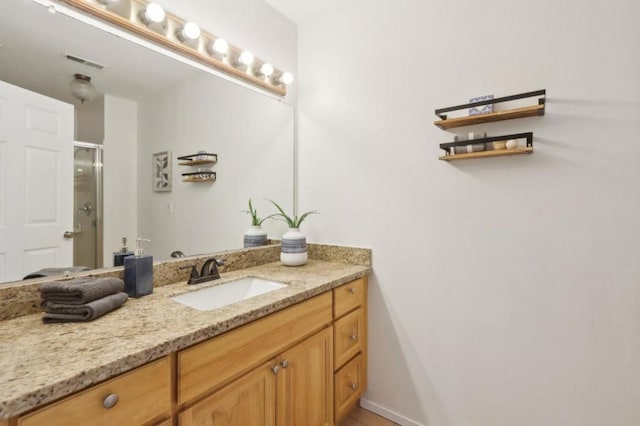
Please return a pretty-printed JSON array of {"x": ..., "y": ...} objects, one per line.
[{"x": 33, "y": 43}]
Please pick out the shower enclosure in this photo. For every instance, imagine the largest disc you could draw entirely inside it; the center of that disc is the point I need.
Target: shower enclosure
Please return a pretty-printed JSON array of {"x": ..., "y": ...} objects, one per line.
[{"x": 87, "y": 203}]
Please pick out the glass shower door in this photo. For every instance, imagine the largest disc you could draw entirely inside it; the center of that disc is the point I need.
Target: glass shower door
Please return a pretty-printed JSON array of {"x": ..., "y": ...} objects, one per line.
[{"x": 87, "y": 222}]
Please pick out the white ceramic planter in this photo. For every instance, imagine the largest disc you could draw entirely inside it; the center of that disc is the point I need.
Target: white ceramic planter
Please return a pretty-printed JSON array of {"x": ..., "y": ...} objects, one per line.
[
  {"x": 294, "y": 248},
  {"x": 255, "y": 237}
]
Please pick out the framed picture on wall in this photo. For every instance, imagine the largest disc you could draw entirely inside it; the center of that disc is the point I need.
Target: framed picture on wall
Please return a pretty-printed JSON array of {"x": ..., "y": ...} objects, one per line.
[{"x": 161, "y": 170}]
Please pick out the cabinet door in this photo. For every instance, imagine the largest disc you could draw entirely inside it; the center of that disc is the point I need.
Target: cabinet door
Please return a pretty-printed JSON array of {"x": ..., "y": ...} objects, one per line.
[
  {"x": 250, "y": 400},
  {"x": 305, "y": 382}
]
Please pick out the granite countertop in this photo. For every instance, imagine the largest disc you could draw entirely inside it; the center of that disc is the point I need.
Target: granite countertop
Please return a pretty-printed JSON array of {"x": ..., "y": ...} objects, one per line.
[{"x": 40, "y": 363}]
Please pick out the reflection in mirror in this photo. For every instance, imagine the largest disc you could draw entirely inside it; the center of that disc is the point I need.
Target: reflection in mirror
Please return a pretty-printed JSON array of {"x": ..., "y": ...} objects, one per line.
[{"x": 148, "y": 103}]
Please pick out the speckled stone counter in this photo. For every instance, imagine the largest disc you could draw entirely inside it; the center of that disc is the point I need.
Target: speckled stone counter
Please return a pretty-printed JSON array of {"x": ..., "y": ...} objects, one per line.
[{"x": 40, "y": 362}]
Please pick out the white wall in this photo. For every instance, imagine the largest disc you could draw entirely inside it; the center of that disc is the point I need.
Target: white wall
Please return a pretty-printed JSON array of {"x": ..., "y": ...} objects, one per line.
[
  {"x": 506, "y": 291},
  {"x": 89, "y": 120},
  {"x": 120, "y": 175},
  {"x": 253, "y": 137}
]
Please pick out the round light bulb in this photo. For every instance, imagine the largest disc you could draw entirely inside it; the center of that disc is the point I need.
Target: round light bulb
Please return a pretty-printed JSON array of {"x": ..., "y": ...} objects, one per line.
[
  {"x": 286, "y": 78},
  {"x": 246, "y": 58},
  {"x": 153, "y": 13},
  {"x": 220, "y": 46},
  {"x": 266, "y": 69},
  {"x": 190, "y": 31}
]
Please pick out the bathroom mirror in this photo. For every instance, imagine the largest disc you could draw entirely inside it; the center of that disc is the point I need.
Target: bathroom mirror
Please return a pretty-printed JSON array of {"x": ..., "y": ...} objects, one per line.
[{"x": 149, "y": 103}]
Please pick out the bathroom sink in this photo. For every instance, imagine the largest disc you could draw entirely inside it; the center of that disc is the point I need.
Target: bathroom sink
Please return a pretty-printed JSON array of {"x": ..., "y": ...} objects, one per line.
[{"x": 226, "y": 294}]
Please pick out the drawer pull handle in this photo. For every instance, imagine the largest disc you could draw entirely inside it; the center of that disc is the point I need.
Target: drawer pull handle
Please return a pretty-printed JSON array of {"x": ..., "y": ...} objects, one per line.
[
  {"x": 353, "y": 386},
  {"x": 110, "y": 400},
  {"x": 284, "y": 363},
  {"x": 354, "y": 337},
  {"x": 275, "y": 369},
  {"x": 352, "y": 290}
]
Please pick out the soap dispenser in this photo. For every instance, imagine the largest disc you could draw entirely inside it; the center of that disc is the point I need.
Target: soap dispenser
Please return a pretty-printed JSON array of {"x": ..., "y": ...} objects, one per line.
[
  {"x": 138, "y": 272},
  {"x": 118, "y": 256}
]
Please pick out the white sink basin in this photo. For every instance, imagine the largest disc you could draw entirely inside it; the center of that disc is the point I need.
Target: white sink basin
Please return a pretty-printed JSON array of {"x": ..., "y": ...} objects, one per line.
[{"x": 226, "y": 294}]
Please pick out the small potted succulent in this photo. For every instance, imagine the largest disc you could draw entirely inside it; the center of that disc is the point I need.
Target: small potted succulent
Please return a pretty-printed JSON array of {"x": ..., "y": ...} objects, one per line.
[
  {"x": 255, "y": 236},
  {"x": 294, "y": 243}
]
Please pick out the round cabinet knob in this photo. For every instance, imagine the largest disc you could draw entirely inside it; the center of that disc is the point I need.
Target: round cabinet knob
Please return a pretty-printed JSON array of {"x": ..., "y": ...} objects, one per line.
[
  {"x": 352, "y": 290},
  {"x": 353, "y": 386},
  {"x": 110, "y": 400},
  {"x": 284, "y": 363},
  {"x": 354, "y": 337},
  {"x": 275, "y": 369}
]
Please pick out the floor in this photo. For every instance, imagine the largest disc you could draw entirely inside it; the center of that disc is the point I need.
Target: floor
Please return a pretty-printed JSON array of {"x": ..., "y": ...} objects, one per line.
[{"x": 361, "y": 417}]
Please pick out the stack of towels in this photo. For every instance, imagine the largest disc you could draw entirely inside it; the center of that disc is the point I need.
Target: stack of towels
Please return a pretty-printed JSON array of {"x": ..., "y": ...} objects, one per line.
[{"x": 81, "y": 299}]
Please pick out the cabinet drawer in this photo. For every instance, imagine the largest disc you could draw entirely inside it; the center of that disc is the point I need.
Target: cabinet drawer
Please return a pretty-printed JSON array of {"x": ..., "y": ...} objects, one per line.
[
  {"x": 143, "y": 395},
  {"x": 348, "y": 336},
  {"x": 349, "y": 384},
  {"x": 349, "y": 296},
  {"x": 208, "y": 365}
]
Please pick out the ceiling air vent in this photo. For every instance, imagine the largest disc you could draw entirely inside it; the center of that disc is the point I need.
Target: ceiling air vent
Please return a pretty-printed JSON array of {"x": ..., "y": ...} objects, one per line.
[{"x": 83, "y": 61}]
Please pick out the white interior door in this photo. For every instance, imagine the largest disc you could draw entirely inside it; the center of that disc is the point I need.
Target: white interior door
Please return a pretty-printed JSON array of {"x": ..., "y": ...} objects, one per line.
[{"x": 36, "y": 182}]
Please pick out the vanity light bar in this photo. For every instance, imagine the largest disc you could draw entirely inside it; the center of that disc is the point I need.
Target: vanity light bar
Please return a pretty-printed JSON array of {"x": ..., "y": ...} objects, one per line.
[{"x": 181, "y": 36}]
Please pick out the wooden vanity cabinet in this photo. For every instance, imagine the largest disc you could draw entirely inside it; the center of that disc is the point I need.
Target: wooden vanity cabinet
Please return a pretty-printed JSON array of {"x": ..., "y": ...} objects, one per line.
[
  {"x": 294, "y": 388},
  {"x": 266, "y": 372},
  {"x": 303, "y": 365},
  {"x": 138, "y": 397},
  {"x": 350, "y": 343}
]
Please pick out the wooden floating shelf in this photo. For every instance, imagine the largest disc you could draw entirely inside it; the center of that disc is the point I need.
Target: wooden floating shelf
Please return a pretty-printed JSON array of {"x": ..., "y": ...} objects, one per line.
[
  {"x": 196, "y": 162},
  {"x": 194, "y": 179},
  {"x": 509, "y": 114},
  {"x": 485, "y": 154},
  {"x": 529, "y": 111}
]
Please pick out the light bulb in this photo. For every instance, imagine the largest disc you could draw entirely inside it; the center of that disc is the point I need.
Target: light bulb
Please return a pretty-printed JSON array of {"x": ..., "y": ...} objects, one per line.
[
  {"x": 220, "y": 46},
  {"x": 153, "y": 13},
  {"x": 190, "y": 31},
  {"x": 286, "y": 78},
  {"x": 266, "y": 69},
  {"x": 246, "y": 58}
]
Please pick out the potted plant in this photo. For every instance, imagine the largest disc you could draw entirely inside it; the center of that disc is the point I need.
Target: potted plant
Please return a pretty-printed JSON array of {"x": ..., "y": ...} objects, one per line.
[
  {"x": 294, "y": 243},
  {"x": 255, "y": 236}
]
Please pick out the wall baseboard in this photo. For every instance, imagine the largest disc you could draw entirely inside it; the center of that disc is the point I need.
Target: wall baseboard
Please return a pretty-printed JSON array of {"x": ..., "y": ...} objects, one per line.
[{"x": 384, "y": 412}]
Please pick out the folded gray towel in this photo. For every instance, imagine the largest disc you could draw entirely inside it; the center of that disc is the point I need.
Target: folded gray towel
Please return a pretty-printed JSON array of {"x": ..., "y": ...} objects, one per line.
[
  {"x": 57, "y": 312},
  {"x": 80, "y": 290}
]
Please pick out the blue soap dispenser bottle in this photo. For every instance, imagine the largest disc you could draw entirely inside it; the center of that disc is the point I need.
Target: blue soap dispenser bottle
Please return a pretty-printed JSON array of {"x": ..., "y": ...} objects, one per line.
[
  {"x": 118, "y": 256},
  {"x": 138, "y": 272}
]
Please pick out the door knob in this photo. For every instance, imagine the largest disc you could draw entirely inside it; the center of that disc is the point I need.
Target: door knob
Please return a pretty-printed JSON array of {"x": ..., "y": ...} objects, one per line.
[
  {"x": 68, "y": 234},
  {"x": 284, "y": 363}
]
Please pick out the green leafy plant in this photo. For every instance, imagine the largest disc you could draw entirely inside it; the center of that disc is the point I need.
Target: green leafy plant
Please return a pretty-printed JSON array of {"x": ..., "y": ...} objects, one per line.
[
  {"x": 292, "y": 221},
  {"x": 255, "y": 219}
]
